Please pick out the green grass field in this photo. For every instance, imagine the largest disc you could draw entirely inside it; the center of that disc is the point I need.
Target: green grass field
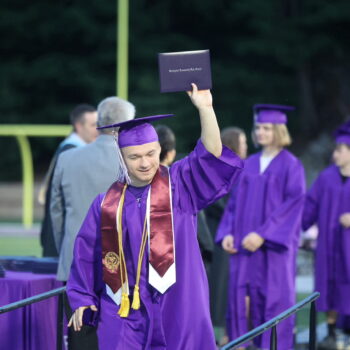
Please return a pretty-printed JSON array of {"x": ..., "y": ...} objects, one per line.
[{"x": 20, "y": 246}]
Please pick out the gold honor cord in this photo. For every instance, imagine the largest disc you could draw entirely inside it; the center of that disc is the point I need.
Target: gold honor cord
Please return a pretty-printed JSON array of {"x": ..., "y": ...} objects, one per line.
[
  {"x": 125, "y": 302},
  {"x": 136, "y": 303}
]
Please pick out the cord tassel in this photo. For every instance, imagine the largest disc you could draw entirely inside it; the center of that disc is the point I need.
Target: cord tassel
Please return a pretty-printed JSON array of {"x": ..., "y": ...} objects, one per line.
[
  {"x": 136, "y": 303},
  {"x": 124, "y": 306}
]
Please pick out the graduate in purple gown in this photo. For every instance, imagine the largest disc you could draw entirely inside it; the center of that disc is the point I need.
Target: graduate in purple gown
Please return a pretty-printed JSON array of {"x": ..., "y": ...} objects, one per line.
[
  {"x": 137, "y": 271},
  {"x": 328, "y": 205},
  {"x": 260, "y": 229}
]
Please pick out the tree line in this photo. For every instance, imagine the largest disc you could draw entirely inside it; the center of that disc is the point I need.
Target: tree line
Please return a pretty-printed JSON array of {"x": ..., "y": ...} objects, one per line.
[{"x": 58, "y": 54}]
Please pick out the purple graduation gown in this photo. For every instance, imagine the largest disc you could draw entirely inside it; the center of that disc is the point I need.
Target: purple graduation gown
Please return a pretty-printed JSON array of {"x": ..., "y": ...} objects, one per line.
[
  {"x": 180, "y": 318},
  {"x": 326, "y": 201},
  {"x": 269, "y": 204}
]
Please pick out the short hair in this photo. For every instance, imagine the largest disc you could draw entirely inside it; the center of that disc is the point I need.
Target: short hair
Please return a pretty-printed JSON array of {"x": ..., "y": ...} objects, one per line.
[
  {"x": 77, "y": 113},
  {"x": 230, "y": 137},
  {"x": 281, "y": 134},
  {"x": 114, "y": 110},
  {"x": 342, "y": 143},
  {"x": 166, "y": 139}
]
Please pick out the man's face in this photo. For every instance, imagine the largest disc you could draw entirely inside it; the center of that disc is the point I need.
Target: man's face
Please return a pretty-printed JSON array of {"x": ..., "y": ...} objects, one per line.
[
  {"x": 86, "y": 128},
  {"x": 341, "y": 155},
  {"x": 142, "y": 162}
]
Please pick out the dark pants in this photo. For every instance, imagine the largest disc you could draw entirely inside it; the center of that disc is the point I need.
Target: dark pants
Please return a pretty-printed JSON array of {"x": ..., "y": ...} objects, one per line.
[{"x": 85, "y": 339}]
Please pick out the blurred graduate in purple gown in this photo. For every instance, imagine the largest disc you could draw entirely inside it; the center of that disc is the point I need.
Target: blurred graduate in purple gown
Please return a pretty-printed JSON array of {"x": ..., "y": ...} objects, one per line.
[
  {"x": 137, "y": 271},
  {"x": 260, "y": 229},
  {"x": 328, "y": 205}
]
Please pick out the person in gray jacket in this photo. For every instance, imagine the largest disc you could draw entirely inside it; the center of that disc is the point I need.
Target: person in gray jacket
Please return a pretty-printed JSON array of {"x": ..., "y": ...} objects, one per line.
[{"x": 80, "y": 175}]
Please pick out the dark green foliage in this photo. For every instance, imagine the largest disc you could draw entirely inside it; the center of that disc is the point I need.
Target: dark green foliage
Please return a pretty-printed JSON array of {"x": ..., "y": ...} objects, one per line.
[{"x": 57, "y": 54}]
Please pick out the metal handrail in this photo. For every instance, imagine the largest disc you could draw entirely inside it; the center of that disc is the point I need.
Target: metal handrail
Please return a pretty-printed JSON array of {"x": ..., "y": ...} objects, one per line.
[
  {"x": 35, "y": 299},
  {"x": 32, "y": 300},
  {"x": 276, "y": 320}
]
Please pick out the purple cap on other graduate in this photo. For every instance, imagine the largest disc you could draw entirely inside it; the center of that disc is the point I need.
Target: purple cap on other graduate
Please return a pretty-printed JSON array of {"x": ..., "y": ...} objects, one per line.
[
  {"x": 342, "y": 134},
  {"x": 137, "y": 131},
  {"x": 268, "y": 113}
]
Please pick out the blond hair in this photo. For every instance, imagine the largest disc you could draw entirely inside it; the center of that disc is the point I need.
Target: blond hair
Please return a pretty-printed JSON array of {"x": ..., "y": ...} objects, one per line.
[{"x": 282, "y": 137}]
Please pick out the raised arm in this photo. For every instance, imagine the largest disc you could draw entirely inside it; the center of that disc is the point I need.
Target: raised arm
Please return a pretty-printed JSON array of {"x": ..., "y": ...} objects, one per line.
[{"x": 210, "y": 135}]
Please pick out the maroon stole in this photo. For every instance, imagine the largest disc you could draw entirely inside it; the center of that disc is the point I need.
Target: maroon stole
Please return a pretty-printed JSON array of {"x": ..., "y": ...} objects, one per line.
[{"x": 161, "y": 229}]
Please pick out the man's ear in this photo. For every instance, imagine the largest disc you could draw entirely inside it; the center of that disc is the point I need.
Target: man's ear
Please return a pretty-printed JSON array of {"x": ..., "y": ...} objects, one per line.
[{"x": 77, "y": 127}]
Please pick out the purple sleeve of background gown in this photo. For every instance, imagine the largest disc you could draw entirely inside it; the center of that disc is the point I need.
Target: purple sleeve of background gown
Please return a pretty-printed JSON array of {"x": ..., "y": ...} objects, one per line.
[{"x": 310, "y": 213}]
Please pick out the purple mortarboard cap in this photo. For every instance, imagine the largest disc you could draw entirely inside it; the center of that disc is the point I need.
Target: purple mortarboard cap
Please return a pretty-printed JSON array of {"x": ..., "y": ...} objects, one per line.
[
  {"x": 342, "y": 134},
  {"x": 274, "y": 114},
  {"x": 137, "y": 131}
]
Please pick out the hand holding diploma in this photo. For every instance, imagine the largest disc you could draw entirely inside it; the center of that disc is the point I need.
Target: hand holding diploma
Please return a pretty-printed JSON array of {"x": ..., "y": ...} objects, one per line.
[
  {"x": 200, "y": 98},
  {"x": 210, "y": 136}
]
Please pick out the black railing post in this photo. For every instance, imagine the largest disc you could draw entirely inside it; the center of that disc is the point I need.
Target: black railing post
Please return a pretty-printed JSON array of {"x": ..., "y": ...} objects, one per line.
[
  {"x": 312, "y": 334},
  {"x": 59, "y": 340},
  {"x": 273, "y": 338}
]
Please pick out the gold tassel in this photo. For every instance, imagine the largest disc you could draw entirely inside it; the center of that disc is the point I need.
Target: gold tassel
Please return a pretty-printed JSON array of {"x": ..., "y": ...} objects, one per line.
[
  {"x": 136, "y": 299},
  {"x": 124, "y": 306}
]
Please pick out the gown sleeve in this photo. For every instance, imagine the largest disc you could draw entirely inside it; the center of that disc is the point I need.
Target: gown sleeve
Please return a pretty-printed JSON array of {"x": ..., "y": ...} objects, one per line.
[
  {"x": 201, "y": 178},
  {"x": 279, "y": 230},
  {"x": 310, "y": 213},
  {"x": 85, "y": 280}
]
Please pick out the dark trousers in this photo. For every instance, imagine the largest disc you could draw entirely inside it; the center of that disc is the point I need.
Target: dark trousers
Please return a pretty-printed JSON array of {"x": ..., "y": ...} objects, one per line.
[{"x": 85, "y": 339}]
